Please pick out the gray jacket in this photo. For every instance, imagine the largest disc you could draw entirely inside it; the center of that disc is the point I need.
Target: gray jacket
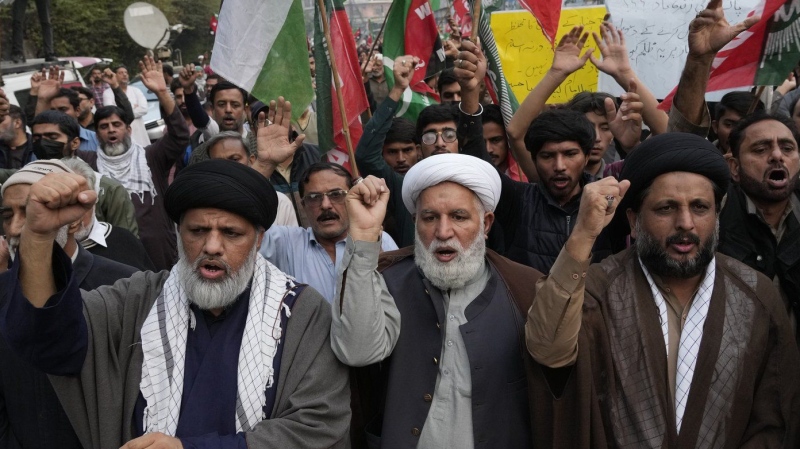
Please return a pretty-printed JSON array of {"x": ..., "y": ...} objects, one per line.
[{"x": 312, "y": 405}]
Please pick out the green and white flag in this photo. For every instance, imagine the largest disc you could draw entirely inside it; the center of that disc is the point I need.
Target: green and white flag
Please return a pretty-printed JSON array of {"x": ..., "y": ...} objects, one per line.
[{"x": 261, "y": 47}]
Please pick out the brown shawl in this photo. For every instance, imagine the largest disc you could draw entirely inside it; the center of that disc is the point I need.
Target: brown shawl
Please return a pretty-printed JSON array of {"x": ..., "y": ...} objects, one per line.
[{"x": 745, "y": 387}]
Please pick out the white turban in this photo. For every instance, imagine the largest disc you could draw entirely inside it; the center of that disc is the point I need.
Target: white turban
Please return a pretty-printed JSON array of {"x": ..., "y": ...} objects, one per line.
[{"x": 475, "y": 174}]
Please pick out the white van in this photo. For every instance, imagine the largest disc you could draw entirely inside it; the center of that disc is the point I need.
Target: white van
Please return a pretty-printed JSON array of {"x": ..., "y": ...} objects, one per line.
[{"x": 17, "y": 77}]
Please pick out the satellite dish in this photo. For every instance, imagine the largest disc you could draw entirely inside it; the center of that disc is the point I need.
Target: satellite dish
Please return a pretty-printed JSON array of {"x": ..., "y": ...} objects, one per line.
[{"x": 146, "y": 25}]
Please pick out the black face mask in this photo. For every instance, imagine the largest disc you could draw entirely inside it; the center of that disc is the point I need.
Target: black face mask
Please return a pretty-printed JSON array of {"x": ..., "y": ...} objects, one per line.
[{"x": 48, "y": 149}]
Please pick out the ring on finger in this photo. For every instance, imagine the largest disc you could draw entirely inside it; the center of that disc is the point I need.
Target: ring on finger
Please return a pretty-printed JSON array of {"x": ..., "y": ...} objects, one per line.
[
  {"x": 358, "y": 181},
  {"x": 610, "y": 199}
]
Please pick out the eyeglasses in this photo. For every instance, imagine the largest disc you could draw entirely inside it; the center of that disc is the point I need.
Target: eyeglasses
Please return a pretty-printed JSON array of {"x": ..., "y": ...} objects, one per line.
[
  {"x": 315, "y": 199},
  {"x": 448, "y": 136}
]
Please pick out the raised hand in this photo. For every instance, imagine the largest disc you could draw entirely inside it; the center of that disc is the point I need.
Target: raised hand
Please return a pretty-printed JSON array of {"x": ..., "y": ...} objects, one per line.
[
  {"x": 710, "y": 31},
  {"x": 5, "y": 255},
  {"x": 789, "y": 84},
  {"x": 36, "y": 81},
  {"x": 56, "y": 200},
  {"x": 626, "y": 123},
  {"x": 567, "y": 58},
  {"x": 152, "y": 75},
  {"x": 111, "y": 78},
  {"x": 599, "y": 201},
  {"x": 272, "y": 131},
  {"x": 5, "y": 105},
  {"x": 470, "y": 67},
  {"x": 404, "y": 70},
  {"x": 366, "y": 69},
  {"x": 455, "y": 32},
  {"x": 612, "y": 48},
  {"x": 451, "y": 48},
  {"x": 366, "y": 208},
  {"x": 188, "y": 76},
  {"x": 51, "y": 80}
]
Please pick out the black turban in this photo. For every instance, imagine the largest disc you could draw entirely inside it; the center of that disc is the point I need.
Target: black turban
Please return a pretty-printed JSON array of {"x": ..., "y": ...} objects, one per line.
[
  {"x": 226, "y": 185},
  {"x": 672, "y": 152}
]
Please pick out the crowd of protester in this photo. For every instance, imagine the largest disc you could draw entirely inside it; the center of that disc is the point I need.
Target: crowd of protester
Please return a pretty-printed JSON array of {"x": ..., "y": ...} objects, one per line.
[{"x": 593, "y": 274}]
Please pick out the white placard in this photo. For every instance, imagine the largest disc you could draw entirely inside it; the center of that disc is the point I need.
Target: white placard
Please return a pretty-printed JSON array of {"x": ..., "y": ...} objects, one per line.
[{"x": 656, "y": 36}]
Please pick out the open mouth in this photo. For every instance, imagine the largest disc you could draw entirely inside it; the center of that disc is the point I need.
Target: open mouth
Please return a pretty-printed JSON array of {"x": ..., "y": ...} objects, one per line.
[
  {"x": 683, "y": 247},
  {"x": 445, "y": 254},
  {"x": 113, "y": 139},
  {"x": 777, "y": 179},
  {"x": 560, "y": 182},
  {"x": 212, "y": 270}
]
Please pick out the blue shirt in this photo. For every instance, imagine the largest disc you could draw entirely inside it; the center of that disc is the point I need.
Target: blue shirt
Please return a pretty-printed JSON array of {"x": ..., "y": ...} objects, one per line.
[
  {"x": 89, "y": 140},
  {"x": 295, "y": 251}
]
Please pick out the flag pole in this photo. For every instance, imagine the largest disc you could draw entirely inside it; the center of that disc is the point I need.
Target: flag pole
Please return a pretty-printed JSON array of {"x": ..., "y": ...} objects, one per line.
[
  {"x": 476, "y": 21},
  {"x": 337, "y": 86},
  {"x": 375, "y": 42},
  {"x": 755, "y": 100}
]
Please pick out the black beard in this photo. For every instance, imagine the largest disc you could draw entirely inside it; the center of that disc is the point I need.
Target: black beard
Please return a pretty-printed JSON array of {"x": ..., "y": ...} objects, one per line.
[
  {"x": 760, "y": 191},
  {"x": 657, "y": 261}
]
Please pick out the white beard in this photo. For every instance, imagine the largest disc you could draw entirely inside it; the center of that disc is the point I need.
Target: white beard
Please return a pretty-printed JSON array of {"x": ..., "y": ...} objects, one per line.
[
  {"x": 207, "y": 294},
  {"x": 62, "y": 236},
  {"x": 83, "y": 232},
  {"x": 115, "y": 149},
  {"x": 459, "y": 271}
]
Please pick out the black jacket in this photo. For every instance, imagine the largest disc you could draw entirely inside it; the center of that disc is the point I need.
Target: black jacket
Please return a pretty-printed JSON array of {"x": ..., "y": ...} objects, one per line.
[
  {"x": 535, "y": 226},
  {"x": 395, "y": 395},
  {"x": 746, "y": 238},
  {"x": 123, "y": 247},
  {"x": 30, "y": 414},
  {"x": 27, "y": 155}
]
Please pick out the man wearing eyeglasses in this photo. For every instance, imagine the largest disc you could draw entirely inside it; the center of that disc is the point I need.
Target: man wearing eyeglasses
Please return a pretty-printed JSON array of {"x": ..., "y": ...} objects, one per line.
[
  {"x": 440, "y": 129},
  {"x": 313, "y": 255}
]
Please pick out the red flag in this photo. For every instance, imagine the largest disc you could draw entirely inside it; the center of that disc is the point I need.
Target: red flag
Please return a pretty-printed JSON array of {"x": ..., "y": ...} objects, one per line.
[
  {"x": 463, "y": 18},
  {"x": 757, "y": 56},
  {"x": 547, "y": 13},
  {"x": 422, "y": 40},
  {"x": 353, "y": 94},
  {"x": 212, "y": 24}
]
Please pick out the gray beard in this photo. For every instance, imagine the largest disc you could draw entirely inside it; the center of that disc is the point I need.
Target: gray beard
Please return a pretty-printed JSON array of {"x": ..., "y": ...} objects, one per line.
[
  {"x": 83, "y": 232},
  {"x": 62, "y": 236},
  {"x": 456, "y": 273},
  {"x": 207, "y": 294},
  {"x": 116, "y": 149}
]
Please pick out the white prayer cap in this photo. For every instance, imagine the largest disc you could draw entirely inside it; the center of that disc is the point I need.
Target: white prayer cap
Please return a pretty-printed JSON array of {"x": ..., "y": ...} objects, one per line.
[{"x": 475, "y": 174}]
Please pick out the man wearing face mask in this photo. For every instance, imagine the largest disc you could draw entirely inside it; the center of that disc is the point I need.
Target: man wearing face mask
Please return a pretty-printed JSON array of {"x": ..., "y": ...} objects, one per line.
[{"x": 56, "y": 135}]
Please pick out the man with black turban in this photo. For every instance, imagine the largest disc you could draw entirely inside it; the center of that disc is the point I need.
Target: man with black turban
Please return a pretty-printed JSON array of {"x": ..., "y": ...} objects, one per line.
[
  {"x": 224, "y": 351},
  {"x": 668, "y": 344}
]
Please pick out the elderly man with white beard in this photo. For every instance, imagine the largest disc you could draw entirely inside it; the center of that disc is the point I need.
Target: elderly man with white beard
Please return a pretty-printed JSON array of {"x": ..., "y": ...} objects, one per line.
[
  {"x": 225, "y": 351},
  {"x": 438, "y": 327},
  {"x": 143, "y": 170}
]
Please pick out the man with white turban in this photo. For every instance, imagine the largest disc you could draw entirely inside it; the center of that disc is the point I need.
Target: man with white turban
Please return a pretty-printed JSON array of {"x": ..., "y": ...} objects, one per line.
[{"x": 437, "y": 327}]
